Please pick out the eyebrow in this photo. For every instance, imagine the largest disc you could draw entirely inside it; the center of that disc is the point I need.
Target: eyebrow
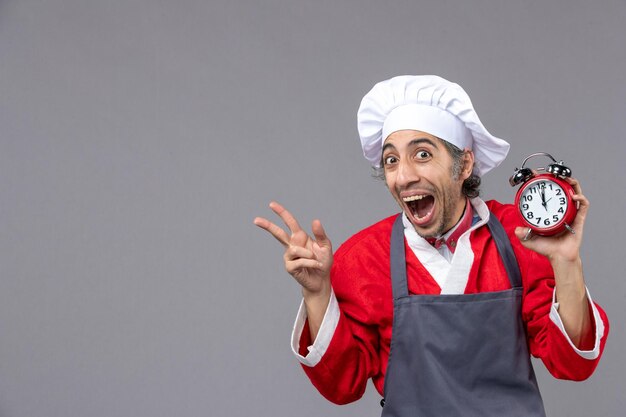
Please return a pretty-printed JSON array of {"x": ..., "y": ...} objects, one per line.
[{"x": 414, "y": 142}]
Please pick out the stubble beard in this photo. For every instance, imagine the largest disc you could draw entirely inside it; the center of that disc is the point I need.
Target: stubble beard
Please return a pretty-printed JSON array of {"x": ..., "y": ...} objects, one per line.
[
  {"x": 447, "y": 216},
  {"x": 448, "y": 207},
  {"x": 447, "y": 213},
  {"x": 444, "y": 220}
]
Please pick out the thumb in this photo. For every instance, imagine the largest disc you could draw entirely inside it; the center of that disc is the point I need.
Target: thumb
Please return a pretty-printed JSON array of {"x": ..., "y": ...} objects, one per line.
[
  {"x": 524, "y": 235},
  {"x": 320, "y": 234}
]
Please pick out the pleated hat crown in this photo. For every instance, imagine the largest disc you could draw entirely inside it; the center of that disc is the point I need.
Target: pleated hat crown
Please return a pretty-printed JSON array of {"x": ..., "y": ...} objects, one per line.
[{"x": 430, "y": 104}]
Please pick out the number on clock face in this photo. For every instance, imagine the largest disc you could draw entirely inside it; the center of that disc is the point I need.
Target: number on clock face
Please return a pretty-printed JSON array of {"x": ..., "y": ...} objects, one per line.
[{"x": 543, "y": 204}]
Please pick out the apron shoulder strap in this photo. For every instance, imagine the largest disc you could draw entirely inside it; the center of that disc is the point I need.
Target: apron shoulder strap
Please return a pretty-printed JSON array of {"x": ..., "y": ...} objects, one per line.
[
  {"x": 505, "y": 250},
  {"x": 397, "y": 259}
]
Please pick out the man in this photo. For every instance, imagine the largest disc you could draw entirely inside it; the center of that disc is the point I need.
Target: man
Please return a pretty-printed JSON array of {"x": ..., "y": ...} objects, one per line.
[{"x": 441, "y": 305}]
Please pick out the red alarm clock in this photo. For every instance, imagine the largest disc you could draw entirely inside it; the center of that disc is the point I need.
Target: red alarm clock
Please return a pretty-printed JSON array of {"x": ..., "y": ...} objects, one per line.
[{"x": 545, "y": 201}]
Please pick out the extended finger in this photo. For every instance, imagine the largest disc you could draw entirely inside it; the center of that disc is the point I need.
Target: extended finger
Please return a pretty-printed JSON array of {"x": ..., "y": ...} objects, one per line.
[
  {"x": 278, "y": 233},
  {"x": 287, "y": 217}
]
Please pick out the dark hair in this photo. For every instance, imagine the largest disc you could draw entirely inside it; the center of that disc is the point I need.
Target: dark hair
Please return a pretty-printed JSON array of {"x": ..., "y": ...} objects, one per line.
[{"x": 471, "y": 185}]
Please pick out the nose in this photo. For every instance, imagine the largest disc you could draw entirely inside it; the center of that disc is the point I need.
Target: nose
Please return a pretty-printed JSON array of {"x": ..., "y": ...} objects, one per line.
[{"x": 406, "y": 174}]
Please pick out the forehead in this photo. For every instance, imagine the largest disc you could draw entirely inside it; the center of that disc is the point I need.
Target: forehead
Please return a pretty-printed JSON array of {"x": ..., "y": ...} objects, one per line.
[{"x": 403, "y": 138}]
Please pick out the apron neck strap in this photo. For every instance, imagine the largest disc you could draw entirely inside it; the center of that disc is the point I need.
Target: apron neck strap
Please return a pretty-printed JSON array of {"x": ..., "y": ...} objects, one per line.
[
  {"x": 399, "y": 283},
  {"x": 505, "y": 249},
  {"x": 398, "y": 258}
]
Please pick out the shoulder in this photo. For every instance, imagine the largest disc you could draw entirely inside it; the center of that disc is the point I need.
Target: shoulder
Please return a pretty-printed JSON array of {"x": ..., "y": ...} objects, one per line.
[
  {"x": 499, "y": 208},
  {"x": 506, "y": 213},
  {"x": 364, "y": 256},
  {"x": 368, "y": 239}
]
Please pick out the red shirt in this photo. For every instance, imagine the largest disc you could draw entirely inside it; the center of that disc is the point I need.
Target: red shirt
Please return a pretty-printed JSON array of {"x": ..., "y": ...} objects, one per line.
[{"x": 360, "y": 277}]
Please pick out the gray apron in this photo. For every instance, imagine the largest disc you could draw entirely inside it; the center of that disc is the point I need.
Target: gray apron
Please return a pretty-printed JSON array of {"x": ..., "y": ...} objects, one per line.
[{"x": 459, "y": 355}]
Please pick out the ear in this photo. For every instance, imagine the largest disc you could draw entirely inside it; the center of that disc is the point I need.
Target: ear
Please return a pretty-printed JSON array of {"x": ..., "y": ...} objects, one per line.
[{"x": 468, "y": 164}]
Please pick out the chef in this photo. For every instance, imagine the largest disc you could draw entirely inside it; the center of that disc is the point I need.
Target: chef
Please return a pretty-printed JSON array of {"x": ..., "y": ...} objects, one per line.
[{"x": 443, "y": 304}]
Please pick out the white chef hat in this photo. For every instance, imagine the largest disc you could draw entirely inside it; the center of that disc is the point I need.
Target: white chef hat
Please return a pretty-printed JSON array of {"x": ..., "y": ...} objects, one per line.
[{"x": 430, "y": 104}]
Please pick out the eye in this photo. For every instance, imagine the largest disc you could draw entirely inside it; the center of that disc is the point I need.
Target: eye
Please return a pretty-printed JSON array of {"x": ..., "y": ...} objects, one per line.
[
  {"x": 390, "y": 160},
  {"x": 422, "y": 155}
]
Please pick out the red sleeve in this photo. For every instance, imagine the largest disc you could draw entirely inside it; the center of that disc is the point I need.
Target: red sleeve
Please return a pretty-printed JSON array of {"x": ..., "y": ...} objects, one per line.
[
  {"x": 546, "y": 341},
  {"x": 360, "y": 278}
]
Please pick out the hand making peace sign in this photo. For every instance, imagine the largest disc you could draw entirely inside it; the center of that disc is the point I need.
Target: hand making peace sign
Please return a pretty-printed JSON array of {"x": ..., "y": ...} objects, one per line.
[{"x": 307, "y": 259}]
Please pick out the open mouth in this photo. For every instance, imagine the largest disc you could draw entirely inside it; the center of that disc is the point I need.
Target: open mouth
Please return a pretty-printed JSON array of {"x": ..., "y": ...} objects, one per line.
[{"x": 421, "y": 206}]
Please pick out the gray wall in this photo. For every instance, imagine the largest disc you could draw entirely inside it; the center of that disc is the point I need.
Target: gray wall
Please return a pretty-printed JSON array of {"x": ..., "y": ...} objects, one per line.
[{"x": 138, "y": 140}]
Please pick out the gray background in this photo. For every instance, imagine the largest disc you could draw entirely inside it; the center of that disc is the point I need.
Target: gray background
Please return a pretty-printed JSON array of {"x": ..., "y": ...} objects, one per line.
[{"x": 138, "y": 140}]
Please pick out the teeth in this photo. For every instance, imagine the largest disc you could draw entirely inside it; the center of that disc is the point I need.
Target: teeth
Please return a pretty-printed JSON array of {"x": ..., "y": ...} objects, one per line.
[{"x": 413, "y": 198}]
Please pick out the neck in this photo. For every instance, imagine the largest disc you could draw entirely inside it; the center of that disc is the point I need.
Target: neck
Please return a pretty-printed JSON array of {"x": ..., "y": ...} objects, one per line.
[{"x": 458, "y": 216}]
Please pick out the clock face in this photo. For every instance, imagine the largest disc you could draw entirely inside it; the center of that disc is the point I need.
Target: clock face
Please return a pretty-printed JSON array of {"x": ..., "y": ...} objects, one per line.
[{"x": 543, "y": 203}]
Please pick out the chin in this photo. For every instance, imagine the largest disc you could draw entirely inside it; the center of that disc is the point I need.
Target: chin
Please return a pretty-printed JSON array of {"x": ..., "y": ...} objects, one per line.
[{"x": 434, "y": 230}]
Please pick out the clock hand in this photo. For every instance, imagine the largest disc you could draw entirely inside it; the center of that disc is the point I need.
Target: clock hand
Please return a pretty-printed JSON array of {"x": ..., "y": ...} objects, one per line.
[{"x": 544, "y": 203}]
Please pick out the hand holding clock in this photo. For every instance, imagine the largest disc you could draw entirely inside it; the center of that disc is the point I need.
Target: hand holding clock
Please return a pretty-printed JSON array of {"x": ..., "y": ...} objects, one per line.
[{"x": 563, "y": 251}]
